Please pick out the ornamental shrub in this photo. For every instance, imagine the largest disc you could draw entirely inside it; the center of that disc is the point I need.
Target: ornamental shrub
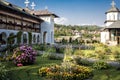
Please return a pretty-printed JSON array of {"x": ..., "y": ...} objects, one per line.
[
  {"x": 24, "y": 55},
  {"x": 100, "y": 65}
]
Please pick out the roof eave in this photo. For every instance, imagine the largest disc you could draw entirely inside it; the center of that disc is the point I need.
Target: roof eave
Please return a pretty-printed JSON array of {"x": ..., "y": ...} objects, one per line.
[{"x": 22, "y": 12}]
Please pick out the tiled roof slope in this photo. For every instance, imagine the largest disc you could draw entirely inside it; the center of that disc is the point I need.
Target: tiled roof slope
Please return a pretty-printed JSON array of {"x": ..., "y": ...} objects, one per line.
[
  {"x": 44, "y": 13},
  {"x": 115, "y": 25}
]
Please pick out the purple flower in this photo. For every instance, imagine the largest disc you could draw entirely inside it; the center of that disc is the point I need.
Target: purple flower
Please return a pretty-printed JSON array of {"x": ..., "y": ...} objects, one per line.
[{"x": 26, "y": 56}]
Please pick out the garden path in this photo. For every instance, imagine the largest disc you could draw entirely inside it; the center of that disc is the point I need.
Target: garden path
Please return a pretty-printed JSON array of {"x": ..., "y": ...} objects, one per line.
[{"x": 112, "y": 63}]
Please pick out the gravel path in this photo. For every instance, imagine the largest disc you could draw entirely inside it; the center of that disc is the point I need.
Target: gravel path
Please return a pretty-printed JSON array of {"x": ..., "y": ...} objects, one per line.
[{"x": 112, "y": 63}]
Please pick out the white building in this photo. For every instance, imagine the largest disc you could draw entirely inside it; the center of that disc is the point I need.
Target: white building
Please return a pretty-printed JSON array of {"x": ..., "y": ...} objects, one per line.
[
  {"x": 33, "y": 27},
  {"x": 110, "y": 33}
]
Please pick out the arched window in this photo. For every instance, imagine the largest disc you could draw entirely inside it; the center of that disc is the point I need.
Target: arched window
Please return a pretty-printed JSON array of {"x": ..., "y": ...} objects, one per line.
[
  {"x": 38, "y": 39},
  {"x": 44, "y": 37},
  {"x": 24, "y": 38},
  {"x": 34, "y": 38},
  {"x": 3, "y": 38}
]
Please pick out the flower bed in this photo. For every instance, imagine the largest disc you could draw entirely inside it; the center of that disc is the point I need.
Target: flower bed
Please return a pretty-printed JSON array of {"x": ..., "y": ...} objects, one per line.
[
  {"x": 24, "y": 55},
  {"x": 70, "y": 72}
]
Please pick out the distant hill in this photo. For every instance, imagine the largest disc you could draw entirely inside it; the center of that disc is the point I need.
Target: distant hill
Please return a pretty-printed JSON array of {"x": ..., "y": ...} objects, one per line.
[{"x": 68, "y": 30}]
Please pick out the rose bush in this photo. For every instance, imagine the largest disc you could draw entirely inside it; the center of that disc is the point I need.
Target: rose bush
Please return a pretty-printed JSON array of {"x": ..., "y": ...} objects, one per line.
[{"x": 24, "y": 55}]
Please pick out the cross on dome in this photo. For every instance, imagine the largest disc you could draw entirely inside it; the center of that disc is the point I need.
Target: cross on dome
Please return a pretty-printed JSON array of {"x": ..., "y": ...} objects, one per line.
[
  {"x": 33, "y": 5},
  {"x": 113, "y": 3},
  {"x": 26, "y": 3}
]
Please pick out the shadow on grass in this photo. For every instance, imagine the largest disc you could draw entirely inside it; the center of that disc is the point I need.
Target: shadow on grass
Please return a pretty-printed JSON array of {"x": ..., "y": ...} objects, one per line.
[{"x": 30, "y": 72}]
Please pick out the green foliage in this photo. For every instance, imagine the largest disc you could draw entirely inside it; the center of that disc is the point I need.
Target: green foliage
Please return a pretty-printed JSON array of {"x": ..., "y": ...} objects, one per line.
[
  {"x": 3, "y": 72},
  {"x": 30, "y": 37},
  {"x": 41, "y": 47},
  {"x": 64, "y": 41},
  {"x": 100, "y": 65},
  {"x": 67, "y": 30},
  {"x": 19, "y": 34},
  {"x": 50, "y": 54},
  {"x": 53, "y": 56},
  {"x": 86, "y": 35},
  {"x": 83, "y": 62},
  {"x": 60, "y": 49},
  {"x": 76, "y": 41},
  {"x": 50, "y": 50},
  {"x": 45, "y": 55},
  {"x": 68, "y": 53},
  {"x": 70, "y": 40},
  {"x": 10, "y": 39}
]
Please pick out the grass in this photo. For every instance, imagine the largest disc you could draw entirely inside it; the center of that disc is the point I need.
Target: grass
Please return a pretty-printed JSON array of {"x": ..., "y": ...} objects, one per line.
[
  {"x": 31, "y": 72},
  {"x": 109, "y": 74}
]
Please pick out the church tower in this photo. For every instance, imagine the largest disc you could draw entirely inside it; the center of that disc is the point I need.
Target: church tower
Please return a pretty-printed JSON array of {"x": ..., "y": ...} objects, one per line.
[{"x": 112, "y": 15}]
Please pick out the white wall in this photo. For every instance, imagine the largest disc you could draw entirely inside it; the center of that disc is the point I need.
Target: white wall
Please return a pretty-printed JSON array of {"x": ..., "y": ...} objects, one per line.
[
  {"x": 48, "y": 26},
  {"x": 113, "y": 16},
  {"x": 104, "y": 37}
]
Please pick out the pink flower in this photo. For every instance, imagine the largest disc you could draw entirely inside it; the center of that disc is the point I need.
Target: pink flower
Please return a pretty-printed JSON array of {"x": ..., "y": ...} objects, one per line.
[{"x": 19, "y": 64}]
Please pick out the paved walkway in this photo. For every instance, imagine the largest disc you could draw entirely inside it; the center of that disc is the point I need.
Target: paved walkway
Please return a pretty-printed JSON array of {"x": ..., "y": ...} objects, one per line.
[{"x": 112, "y": 63}]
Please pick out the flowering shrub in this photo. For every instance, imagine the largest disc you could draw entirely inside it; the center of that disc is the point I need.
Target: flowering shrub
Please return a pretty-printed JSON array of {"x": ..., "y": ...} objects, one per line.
[
  {"x": 73, "y": 72},
  {"x": 24, "y": 55}
]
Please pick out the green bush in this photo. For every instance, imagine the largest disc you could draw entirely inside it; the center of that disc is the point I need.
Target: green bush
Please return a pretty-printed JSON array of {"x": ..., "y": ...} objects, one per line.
[
  {"x": 100, "y": 65},
  {"x": 53, "y": 56},
  {"x": 45, "y": 55},
  {"x": 3, "y": 72},
  {"x": 68, "y": 53},
  {"x": 50, "y": 50},
  {"x": 39, "y": 47},
  {"x": 60, "y": 50},
  {"x": 83, "y": 62}
]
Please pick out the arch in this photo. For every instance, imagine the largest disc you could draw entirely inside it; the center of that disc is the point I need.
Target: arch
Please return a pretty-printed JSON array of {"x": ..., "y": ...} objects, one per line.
[
  {"x": 38, "y": 39},
  {"x": 3, "y": 38},
  {"x": 34, "y": 38},
  {"x": 44, "y": 36},
  {"x": 24, "y": 38}
]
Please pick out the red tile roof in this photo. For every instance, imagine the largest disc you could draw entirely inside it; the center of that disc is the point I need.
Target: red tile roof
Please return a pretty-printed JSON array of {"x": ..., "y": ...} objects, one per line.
[{"x": 44, "y": 13}]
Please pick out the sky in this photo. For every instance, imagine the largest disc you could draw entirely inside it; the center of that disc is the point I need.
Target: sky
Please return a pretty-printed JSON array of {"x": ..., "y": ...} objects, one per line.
[{"x": 74, "y": 12}]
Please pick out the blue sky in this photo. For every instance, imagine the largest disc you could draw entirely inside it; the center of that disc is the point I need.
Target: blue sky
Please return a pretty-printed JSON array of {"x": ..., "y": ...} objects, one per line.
[{"x": 74, "y": 12}]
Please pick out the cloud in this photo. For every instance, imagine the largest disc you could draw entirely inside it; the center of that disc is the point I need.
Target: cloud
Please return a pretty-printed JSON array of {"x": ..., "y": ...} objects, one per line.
[{"x": 61, "y": 20}]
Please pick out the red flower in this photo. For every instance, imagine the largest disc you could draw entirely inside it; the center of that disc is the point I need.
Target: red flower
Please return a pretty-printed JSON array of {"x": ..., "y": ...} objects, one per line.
[{"x": 19, "y": 64}]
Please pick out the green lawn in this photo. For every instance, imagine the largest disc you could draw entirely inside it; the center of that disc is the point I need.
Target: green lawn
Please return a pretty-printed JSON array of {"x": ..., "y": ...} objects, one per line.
[
  {"x": 110, "y": 74},
  {"x": 30, "y": 72}
]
